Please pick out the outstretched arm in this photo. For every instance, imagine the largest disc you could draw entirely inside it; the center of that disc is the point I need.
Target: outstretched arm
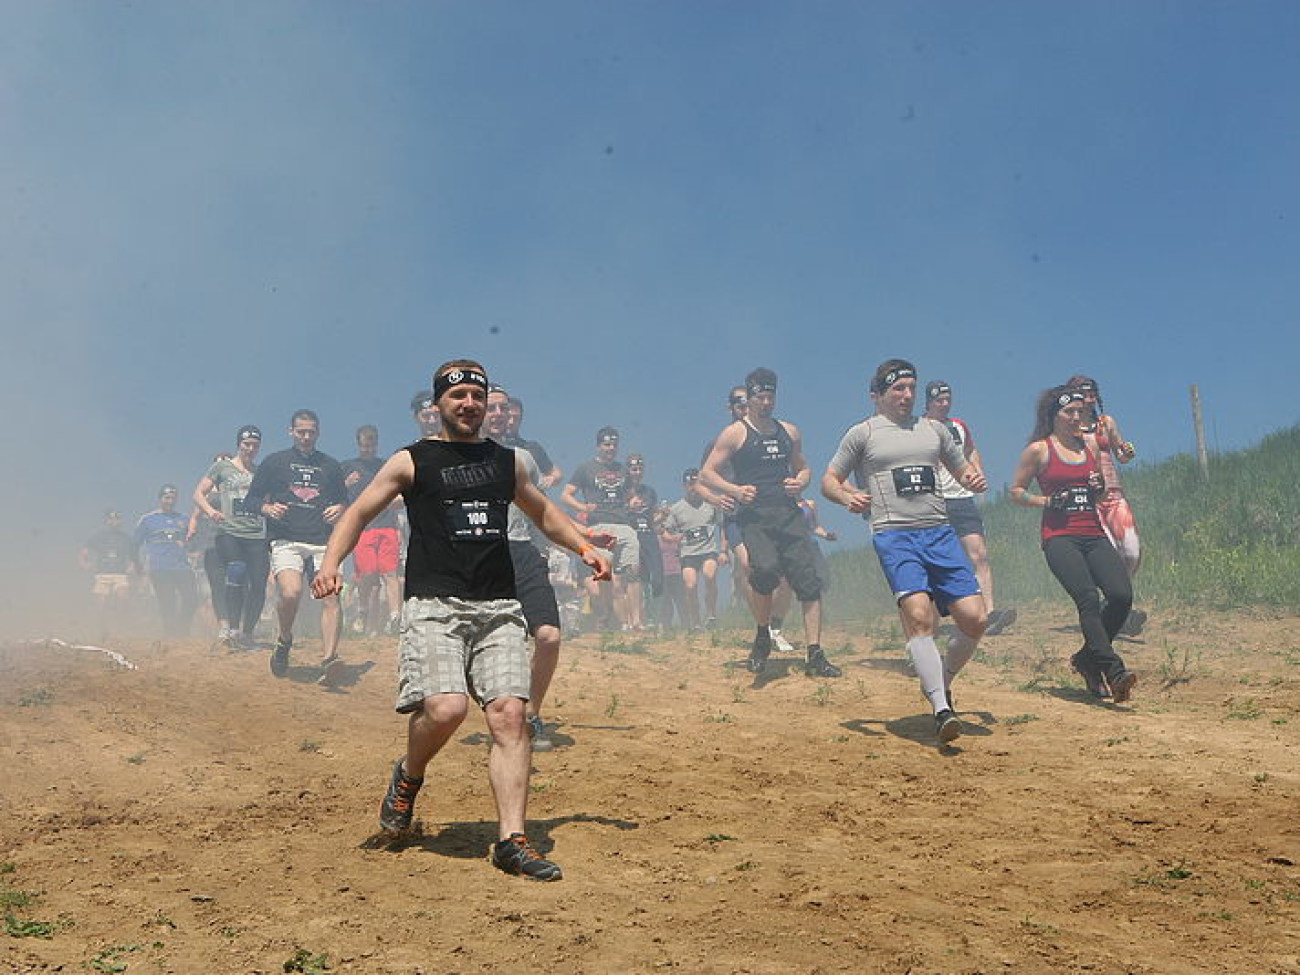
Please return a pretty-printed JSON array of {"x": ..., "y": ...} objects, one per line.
[{"x": 397, "y": 474}]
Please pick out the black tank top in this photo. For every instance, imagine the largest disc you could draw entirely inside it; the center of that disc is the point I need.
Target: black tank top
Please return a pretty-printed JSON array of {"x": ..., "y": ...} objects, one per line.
[
  {"x": 458, "y": 507},
  {"x": 763, "y": 460}
]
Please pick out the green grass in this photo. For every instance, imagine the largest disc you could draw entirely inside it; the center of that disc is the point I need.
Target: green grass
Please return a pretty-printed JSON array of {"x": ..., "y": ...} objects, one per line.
[{"x": 1230, "y": 542}]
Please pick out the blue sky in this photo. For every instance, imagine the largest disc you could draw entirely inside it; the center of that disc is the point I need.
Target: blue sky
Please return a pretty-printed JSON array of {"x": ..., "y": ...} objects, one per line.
[{"x": 217, "y": 213}]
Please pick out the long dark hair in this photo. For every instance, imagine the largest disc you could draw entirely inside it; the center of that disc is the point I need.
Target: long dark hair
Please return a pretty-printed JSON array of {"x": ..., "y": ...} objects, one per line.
[{"x": 1045, "y": 410}]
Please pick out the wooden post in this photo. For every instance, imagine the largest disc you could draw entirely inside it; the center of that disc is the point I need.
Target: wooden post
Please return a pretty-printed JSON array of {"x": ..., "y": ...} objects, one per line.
[{"x": 1202, "y": 455}]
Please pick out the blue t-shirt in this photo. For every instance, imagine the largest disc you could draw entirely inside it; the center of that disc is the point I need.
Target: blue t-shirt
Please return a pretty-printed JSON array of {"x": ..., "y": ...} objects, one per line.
[{"x": 162, "y": 535}]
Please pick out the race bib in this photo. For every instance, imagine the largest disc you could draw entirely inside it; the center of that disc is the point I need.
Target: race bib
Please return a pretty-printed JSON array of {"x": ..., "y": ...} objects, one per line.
[
  {"x": 913, "y": 480},
  {"x": 240, "y": 508},
  {"x": 697, "y": 535},
  {"x": 1080, "y": 499},
  {"x": 476, "y": 521}
]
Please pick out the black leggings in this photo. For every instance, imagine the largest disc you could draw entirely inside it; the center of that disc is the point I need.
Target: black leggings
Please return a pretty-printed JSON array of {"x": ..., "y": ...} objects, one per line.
[
  {"x": 1083, "y": 564},
  {"x": 245, "y": 588}
]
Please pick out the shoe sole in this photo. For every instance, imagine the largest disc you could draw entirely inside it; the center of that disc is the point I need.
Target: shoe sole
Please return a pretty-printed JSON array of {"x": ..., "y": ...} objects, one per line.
[
  {"x": 950, "y": 730},
  {"x": 333, "y": 673}
]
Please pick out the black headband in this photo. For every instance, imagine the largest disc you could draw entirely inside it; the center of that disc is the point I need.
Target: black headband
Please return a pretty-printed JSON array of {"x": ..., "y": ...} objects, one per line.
[
  {"x": 1068, "y": 397},
  {"x": 756, "y": 388},
  {"x": 458, "y": 377},
  {"x": 893, "y": 376},
  {"x": 935, "y": 390},
  {"x": 1086, "y": 387}
]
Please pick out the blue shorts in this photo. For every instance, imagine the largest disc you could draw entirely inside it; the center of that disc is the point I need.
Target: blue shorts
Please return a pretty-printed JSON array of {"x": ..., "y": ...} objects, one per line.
[{"x": 929, "y": 560}]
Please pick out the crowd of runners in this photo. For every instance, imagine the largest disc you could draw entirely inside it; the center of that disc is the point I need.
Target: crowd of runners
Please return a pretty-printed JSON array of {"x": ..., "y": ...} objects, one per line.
[{"x": 453, "y": 546}]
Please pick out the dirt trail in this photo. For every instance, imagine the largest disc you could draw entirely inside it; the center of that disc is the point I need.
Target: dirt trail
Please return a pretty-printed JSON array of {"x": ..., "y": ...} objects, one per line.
[{"x": 199, "y": 816}]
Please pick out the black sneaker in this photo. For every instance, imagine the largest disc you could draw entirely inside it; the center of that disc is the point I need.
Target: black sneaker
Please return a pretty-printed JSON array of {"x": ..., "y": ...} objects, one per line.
[
  {"x": 1134, "y": 622},
  {"x": 1121, "y": 688},
  {"x": 758, "y": 655},
  {"x": 399, "y": 802},
  {"x": 1092, "y": 678},
  {"x": 515, "y": 856},
  {"x": 947, "y": 726},
  {"x": 999, "y": 621},
  {"x": 819, "y": 666},
  {"x": 280, "y": 656}
]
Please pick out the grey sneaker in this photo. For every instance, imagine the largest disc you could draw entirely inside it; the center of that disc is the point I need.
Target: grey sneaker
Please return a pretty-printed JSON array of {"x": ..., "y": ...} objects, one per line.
[
  {"x": 947, "y": 725},
  {"x": 537, "y": 732},
  {"x": 398, "y": 807},
  {"x": 515, "y": 856}
]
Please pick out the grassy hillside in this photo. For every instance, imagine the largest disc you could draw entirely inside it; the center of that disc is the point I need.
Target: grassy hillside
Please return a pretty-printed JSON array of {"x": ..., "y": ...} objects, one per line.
[{"x": 1231, "y": 541}]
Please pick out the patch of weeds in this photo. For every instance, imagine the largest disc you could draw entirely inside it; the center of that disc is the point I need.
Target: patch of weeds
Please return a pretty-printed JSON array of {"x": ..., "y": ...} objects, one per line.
[
  {"x": 840, "y": 739},
  {"x": 1218, "y": 915},
  {"x": 41, "y": 697},
  {"x": 822, "y": 696},
  {"x": 861, "y": 687},
  {"x": 718, "y": 717},
  {"x": 8, "y": 867},
  {"x": 745, "y": 865},
  {"x": 612, "y": 707},
  {"x": 136, "y": 759},
  {"x": 17, "y": 928},
  {"x": 307, "y": 745},
  {"x": 16, "y": 898},
  {"x": 1020, "y": 719},
  {"x": 1034, "y": 685},
  {"x": 538, "y": 787},
  {"x": 1112, "y": 742},
  {"x": 1178, "y": 871},
  {"x": 110, "y": 959},
  {"x": 716, "y": 838},
  {"x": 1178, "y": 667},
  {"x": 306, "y": 963},
  {"x": 229, "y": 932},
  {"x": 616, "y": 644},
  {"x": 1247, "y": 710},
  {"x": 1262, "y": 777},
  {"x": 1255, "y": 885},
  {"x": 737, "y": 694},
  {"x": 1038, "y": 927},
  {"x": 1279, "y": 721}
]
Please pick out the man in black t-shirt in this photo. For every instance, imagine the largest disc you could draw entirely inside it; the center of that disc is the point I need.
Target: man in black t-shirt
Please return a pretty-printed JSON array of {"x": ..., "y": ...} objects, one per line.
[
  {"x": 463, "y": 632},
  {"x": 110, "y": 556},
  {"x": 301, "y": 494}
]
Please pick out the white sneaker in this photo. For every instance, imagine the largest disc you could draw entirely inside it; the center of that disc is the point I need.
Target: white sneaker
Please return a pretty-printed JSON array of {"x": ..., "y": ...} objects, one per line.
[{"x": 781, "y": 643}]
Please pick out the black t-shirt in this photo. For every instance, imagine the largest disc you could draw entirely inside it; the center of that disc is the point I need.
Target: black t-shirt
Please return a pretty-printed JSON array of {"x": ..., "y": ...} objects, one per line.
[
  {"x": 641, "y": 517},
  {"x": 307, "y": 484},
  {"x": 606, "y": 486},
  {"x": 367, "y": 467},
  {"x": 110, "y": 552},
  {"x": 458, "y": 510}
]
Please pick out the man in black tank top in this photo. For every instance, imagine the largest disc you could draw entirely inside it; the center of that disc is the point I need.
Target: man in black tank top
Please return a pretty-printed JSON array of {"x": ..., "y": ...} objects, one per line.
[
  {"x": 462, "y": 627},
  {"x": 768, "y": 473}
]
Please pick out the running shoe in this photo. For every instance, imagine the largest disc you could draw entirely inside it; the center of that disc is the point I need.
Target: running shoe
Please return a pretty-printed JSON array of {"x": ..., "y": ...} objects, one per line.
[
  {"x": 537, "y": 732},
  {"x": 1092, "y": 678},
  {"x": 394, "y": 624},
  {"x": 780, "y": 642},
  {"x": 819, "y": 666},
  {"x": 515, "y": 856},
  {"x": 280, "y": 656},
  {"x": 947, "y": 726},
  {"x": 1121, "y": 688},
  {"x": 999, "y": 621},
  {"x": 759, "y": 653},
  {"x": 1134, "y": 622},
  {"x": 711, "y": 623},
  {"x": 399, "y": 802},
  {"x": 332, "y": 671}
]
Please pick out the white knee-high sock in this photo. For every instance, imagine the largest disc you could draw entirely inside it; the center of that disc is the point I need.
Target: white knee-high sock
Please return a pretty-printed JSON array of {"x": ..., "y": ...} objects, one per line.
[
  {"x": 929, "y": 668},
  {"x": 960, "y": 649}
]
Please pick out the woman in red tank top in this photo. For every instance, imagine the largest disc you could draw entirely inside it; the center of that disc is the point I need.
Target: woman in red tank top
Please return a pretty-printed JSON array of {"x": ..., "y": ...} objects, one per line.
[{"x": 1075, "y": 545}]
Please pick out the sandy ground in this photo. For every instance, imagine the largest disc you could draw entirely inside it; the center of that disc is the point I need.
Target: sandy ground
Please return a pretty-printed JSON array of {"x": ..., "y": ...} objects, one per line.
[{"x": 196, "y": 815}]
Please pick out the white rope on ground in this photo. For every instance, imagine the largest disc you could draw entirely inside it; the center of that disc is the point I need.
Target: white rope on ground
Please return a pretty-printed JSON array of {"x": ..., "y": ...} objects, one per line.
[{"x": 112, "y": 655}]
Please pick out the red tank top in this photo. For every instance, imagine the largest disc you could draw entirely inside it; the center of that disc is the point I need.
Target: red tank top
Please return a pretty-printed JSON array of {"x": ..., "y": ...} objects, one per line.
[{"x": 1080, "y": 518}]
